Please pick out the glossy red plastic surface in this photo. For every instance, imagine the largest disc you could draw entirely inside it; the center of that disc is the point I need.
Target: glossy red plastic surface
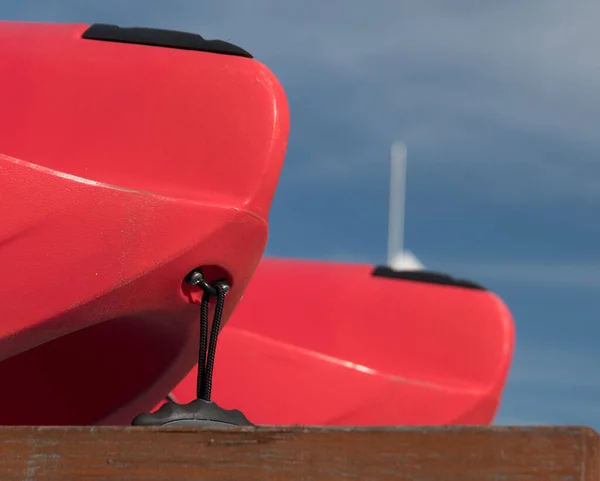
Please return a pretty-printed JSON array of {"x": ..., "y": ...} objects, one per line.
[
  {"x": 122, "y": 168},
  {"x": 328, "y": 343}
]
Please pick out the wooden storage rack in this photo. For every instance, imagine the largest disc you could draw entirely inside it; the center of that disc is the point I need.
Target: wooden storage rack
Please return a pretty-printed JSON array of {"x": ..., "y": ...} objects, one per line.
[{"x": 300, "y": 453}]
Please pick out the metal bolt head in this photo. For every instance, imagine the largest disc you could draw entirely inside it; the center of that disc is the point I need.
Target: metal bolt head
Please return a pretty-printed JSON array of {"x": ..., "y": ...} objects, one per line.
[
  {"x": 195, "y": 278},
  {"x": 224, "y": 285}
]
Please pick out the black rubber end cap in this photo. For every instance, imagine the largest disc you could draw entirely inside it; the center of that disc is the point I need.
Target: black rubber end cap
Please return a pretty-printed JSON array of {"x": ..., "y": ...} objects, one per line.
[
  {"x": 195, "y": 413},
  {"x": 157, "y": 37}
]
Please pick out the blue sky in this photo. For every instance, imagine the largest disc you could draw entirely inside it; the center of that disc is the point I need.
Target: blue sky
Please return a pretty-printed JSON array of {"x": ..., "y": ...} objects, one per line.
[{"x": 499, "y": 103}]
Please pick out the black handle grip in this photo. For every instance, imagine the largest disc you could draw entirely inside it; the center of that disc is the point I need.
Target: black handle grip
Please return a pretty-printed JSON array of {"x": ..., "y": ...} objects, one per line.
[{"x": 157, "y": 37}]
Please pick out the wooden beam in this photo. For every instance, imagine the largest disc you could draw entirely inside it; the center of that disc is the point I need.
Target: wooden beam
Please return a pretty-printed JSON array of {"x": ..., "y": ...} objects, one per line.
[{"x": 297, "y": 453}]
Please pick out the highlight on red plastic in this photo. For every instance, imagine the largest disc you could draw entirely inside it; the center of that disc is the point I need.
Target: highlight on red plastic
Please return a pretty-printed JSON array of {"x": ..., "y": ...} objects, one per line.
[
  {"x": 125, "y": 163},
  {"x": 361, "y": 349}
]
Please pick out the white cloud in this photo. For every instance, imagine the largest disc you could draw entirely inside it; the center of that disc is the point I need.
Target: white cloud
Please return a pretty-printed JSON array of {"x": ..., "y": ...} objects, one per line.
[
  {"x": 538, "y": 58},
  {"x": 452, "y": 79}
]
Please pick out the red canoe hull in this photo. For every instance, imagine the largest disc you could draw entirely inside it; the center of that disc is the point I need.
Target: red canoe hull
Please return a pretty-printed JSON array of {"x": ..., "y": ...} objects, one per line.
[
  {"x": 122, "y": 168},
  {"x": 331, "y": 344}
]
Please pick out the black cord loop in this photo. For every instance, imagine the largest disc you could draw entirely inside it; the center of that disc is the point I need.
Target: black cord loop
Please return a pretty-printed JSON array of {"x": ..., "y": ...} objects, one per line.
[{"x": 207, "y": 348}]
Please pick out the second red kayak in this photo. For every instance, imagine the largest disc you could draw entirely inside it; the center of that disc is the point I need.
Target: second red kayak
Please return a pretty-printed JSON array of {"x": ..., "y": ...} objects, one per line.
[{"x": 347, "y": 344}]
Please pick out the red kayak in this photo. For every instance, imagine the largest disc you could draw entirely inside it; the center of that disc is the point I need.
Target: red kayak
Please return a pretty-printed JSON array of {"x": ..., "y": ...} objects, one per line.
[
  {"x": 129, "y": 158},
  {"x": 341, "y": 344}
]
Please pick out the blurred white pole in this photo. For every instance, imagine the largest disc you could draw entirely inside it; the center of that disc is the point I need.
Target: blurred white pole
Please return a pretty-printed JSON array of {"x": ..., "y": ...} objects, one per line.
[
  {"x": 397, "y": 200},
  {"x": 399, "y": 258}
]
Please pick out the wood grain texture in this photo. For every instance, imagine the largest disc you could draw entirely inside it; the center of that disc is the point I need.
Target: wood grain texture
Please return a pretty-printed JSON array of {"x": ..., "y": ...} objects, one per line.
[{"x": 296, "y": 453}]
